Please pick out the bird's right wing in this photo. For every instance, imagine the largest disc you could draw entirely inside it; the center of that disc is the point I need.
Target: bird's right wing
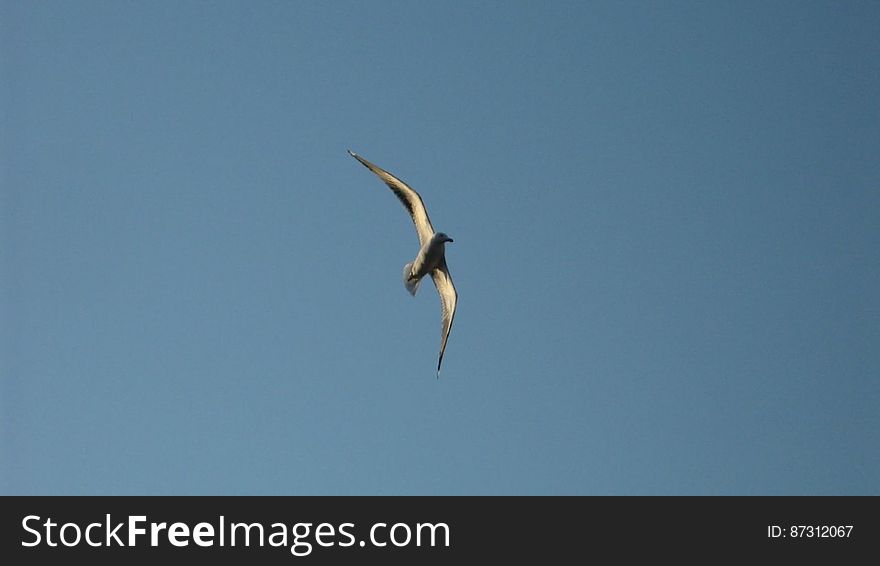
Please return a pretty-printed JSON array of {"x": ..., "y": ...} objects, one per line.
[
  {"x": 448, "y": 300},
  {"x": 407, "y": 195}
]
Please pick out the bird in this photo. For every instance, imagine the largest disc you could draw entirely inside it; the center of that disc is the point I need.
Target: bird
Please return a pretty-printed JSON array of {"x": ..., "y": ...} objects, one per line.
[{"x": 431, "y": 258}]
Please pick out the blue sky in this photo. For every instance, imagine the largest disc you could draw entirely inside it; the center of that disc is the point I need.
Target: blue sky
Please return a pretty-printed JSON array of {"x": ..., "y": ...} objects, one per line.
[{"x": 666, "y": 248}]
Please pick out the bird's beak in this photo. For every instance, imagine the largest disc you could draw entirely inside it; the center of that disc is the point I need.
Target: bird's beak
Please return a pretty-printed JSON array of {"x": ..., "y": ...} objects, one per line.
[{"x": 449, "y": 240}]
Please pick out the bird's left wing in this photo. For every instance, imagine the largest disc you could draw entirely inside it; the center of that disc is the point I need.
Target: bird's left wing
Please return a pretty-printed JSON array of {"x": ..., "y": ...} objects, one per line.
[
  {"x": 448, "y": 300},
  {"x": 407, "y": 195}
]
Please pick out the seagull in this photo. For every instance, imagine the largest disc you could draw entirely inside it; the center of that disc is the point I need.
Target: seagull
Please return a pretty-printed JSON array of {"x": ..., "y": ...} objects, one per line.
[{"x": 432, "y": 252}]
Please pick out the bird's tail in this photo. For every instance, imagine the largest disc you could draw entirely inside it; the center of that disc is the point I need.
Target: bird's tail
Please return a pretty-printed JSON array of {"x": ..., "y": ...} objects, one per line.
[{"x": 411, "y": 283}]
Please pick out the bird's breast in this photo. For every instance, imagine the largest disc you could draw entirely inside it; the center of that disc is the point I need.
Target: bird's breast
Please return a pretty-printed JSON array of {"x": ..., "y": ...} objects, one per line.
[{"x": 430, "y": 256}]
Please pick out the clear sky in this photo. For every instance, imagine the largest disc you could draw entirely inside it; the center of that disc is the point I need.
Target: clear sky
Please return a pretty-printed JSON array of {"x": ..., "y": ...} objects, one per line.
[{"x": 667, "y": 247}]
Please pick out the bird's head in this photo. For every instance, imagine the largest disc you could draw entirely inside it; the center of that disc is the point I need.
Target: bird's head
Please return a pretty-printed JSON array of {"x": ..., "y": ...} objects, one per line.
[{"x": 442, "y": 237}]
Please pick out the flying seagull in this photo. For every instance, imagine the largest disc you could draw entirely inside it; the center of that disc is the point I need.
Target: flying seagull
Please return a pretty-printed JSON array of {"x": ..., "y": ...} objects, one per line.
[{"x": 432, "y": 252}]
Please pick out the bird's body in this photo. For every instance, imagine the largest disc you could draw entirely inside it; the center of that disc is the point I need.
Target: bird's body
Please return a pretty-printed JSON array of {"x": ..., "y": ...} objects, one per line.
[{"x": 431, "y": 258}]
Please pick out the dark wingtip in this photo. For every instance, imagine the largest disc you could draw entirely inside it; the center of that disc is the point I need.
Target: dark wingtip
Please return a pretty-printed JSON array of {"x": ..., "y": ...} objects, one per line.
[{"x": 361, "y": 159}]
